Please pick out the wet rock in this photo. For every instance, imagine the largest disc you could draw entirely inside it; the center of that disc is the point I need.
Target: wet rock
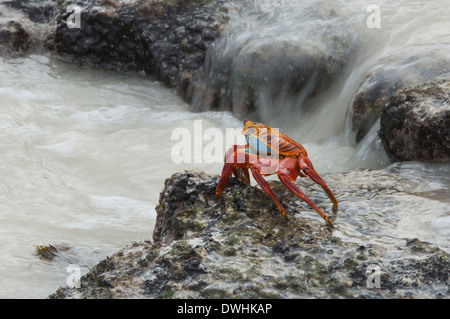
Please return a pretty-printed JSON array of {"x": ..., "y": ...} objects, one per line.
[
  {"x": 163, "y": 39},
  {"x": 411, "y": 66},
  {"x": 258, "y": 61},
  {"x": 207, "y": 249},
  {"x": 23, "y": 26},
  {"x": 40, "y": 11},
  {"x": 415, "y": 124},
  {"x": 14, "y": 39}
]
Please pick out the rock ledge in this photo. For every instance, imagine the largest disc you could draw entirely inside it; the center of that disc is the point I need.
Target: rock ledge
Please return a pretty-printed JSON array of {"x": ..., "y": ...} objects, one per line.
[{"x": 240, "y": 247}]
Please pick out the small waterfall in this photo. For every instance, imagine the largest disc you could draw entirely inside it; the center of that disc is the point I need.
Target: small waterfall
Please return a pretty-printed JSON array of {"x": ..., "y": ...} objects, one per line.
[
  {"x": 275, "y": 57},
  {"x": 369, "y": 152}
]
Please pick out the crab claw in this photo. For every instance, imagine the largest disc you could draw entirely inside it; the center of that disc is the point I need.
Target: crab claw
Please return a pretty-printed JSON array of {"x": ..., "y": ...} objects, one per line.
[{"x": 307, "y": 168}]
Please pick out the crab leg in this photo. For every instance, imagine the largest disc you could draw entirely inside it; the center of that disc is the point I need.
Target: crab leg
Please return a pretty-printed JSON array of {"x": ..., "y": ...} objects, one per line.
[
  {"x": 287, "y": 172},
  {"x": 226, "y": 174},
  {"x": 233, "y": 166},
  {"x": 245, "y": 176},
  {"x": 265, "y": 186},
  {"x": 294, "y": 189},
  {"x": 232, "y": 156},
  {"x": 307, "y": 168},
  {"x": 242, "y": 174}
]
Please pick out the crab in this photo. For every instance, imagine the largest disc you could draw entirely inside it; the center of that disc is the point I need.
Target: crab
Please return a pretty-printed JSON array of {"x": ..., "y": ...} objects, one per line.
[{"x": 267, "y": 152}]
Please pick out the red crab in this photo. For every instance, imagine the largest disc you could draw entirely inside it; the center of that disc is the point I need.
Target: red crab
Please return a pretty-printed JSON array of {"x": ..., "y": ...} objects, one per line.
[{"x": 270, "y": 152}]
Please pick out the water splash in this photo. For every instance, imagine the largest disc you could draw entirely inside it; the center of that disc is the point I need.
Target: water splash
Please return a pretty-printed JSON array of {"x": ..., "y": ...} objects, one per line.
[{"x": 274, "y": 55}]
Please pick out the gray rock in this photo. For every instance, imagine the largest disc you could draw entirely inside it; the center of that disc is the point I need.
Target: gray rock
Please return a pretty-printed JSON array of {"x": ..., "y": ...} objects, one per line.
[
  {"x": 415, "y": 124},
  {"x": 155, "y": 37}
]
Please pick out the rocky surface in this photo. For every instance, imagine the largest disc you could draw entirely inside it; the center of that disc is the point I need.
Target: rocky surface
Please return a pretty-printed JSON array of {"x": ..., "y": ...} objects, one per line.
[
  {"x": 408, "y": 67},
  {"x": 241, "y": 247},
  {"x": 14, "y": 39},
  {"x": 163, "y": 39},
  {"x": 415, "y": 124}
]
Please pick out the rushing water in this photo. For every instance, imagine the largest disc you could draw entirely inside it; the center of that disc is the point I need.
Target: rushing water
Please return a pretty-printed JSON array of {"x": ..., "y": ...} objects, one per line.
[
  {"x": 84, "y": 157},
  {"x": 84, "y": 154}
]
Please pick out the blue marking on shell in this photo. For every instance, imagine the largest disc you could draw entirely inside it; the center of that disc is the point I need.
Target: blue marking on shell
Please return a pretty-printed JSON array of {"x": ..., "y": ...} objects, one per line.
[{"x": 257, "y": 147}]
